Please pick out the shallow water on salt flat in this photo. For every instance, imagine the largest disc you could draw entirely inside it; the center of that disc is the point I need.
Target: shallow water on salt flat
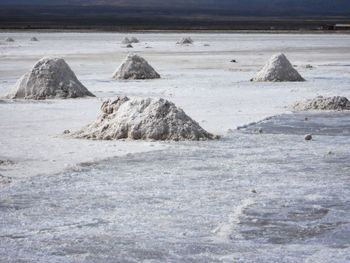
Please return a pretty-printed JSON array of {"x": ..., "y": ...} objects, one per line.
[{"x": 269, "y": 197}]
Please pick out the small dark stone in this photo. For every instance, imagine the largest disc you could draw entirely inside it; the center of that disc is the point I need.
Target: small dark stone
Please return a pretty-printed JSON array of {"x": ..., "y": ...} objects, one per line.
[
  {"x": 254, "y": 191},
  {"x": 234, "y": 61},
  {"x": 308, "y": 137},
  {"x": 66, "y": 132}
]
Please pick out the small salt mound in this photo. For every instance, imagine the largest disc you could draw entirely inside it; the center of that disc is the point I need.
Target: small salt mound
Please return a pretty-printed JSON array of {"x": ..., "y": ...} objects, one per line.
[
  {"x": 131, "y": 40},
  {"x": 278, "y": 68},
  {"x": 9, "y": 39},
  {"x": 185, "y": 41},
  {"x": 135, "y": 67},
  {"x": 34, "y": 39},
  {"x": 337, "y": 103},
  {"x": 49, "y": 78},
  {"x": 143, "y": 119},
  {"x": 134, "y": 40},
  {"x": 126, "y": 41}
]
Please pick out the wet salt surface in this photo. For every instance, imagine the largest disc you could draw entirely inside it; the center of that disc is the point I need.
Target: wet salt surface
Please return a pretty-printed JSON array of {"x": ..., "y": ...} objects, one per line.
[
  {"x": 246, "y": 198},
  {"x": 320, "y": 123}
]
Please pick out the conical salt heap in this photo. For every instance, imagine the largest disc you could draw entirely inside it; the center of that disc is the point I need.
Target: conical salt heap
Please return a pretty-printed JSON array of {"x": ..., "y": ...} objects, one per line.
[
  {"x": 34, "y": 39},
  {"x": 131, "y": 40},
  {"x": 134, "y": 40},
  {"x": 135, "y": 67},
  {"x": 336, "y": 103},
  {"x": 9, "y": 39},
  {"x": 126, "y": 41},
  {"x": 143, "y": 119},
  {"x": 50, "y": 78},
  {"x": 185, "y": 41},
  {"x": 278, "y": 68}
]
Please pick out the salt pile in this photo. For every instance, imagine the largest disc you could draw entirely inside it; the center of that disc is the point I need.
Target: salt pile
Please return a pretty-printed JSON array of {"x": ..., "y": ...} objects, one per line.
[
  {"x": 134, "y": 40},
  {"x": 34, "y": 39},
  {"x": 131, "y": 40},
  {"x": 278, "y": 68},
  {"x": 9, "y": 39},
  {"x": 185, "y": 41},
  {"x": 337, "y": 103},
  {"x": 49, "y": 78},
  {"x": 143, "y": 119},
  {"x": 135, "y": 67}
]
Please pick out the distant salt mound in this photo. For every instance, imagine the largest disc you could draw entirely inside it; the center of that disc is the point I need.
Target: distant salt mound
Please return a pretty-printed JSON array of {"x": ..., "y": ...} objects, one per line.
[
  {"x": 34, "y": 39},
  {"x": 143, "y": 119},
  {"x": 131, "y": 40},
  {"x": 185, "y": 41},
  {"x": 50, "y": 78},
  {"x": 135, "y": 67},
  {"x": 336, "y": 103},
  {"x": 9, "y": 39},
  {"x": 126, "y": 41},
  {"x": 278, "y": 68},
  {"x": 134, "y": 40}
]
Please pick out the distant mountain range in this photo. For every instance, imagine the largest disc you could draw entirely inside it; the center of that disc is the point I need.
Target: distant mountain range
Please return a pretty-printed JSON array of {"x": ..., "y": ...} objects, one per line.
[
  {"x": 175, "y": 14},
  {"x": 255, "y": 7}
]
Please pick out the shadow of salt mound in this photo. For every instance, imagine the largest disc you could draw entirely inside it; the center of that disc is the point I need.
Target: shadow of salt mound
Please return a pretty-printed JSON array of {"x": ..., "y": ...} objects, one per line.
[{"x": 325, "y": 123}]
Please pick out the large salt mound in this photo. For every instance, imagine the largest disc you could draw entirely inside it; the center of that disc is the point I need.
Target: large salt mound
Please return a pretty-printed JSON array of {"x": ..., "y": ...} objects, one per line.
[
  {"x": 185, "y": 41},
  {"x": 278, "y": 68},
  {"x": 323, "y": 103},
  {"x": 135, "y": 67},
  {"x": 143, "y": 119},
  {"x": 49, "y": 78}
]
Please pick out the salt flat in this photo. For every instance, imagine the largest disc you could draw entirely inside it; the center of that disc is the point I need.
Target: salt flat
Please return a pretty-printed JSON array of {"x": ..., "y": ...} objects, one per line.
[{"x": 76, "y": 200}]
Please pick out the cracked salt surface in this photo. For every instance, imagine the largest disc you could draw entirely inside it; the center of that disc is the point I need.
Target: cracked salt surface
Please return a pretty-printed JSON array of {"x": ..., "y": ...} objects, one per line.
[{"x": 191, "y": 203}]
